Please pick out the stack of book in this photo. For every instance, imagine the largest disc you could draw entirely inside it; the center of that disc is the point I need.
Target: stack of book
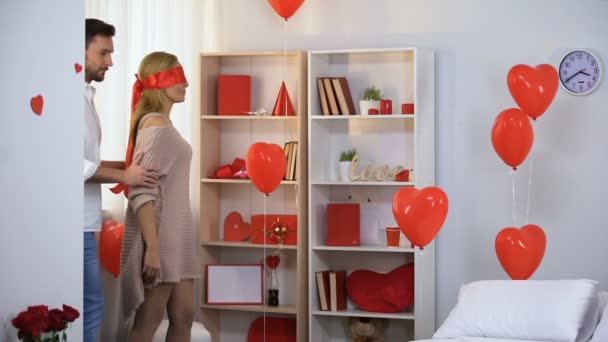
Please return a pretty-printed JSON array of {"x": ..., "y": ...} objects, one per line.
[
  {"x": 291, "y": 151},
  {"x": 335, "y": 96},
  {"x": 331, "y": 286}
]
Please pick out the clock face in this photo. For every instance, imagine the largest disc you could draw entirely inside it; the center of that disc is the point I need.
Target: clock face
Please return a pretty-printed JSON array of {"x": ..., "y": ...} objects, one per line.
[{"x": 580, "y": 72}]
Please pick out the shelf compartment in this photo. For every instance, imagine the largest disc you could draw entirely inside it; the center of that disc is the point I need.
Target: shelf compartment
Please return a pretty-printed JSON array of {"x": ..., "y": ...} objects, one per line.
[
  {"x": 362, "y": 313},
  {"x": 244, "y": 244},
  {"x": 369, "y": 138},
  {"x": 281, "y": 309}
]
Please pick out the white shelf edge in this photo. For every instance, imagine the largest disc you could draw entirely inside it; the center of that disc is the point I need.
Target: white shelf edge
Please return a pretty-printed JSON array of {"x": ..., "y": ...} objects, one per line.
[
  {"x": 400, "y": 249},
  {"x": 361, "y": 313},
  {"x": 211, "y": 243},
  {"x": 363, "y": 183},
  {"x": 363, "y": 117},
  {"x": 248, "y": 117},
  {"x": 378, "y": 50},
  {"x": 239, "y": 181}
]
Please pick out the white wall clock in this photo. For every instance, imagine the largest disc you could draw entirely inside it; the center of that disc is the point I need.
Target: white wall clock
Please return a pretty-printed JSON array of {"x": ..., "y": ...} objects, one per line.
[{"x": 580, "y": 72}]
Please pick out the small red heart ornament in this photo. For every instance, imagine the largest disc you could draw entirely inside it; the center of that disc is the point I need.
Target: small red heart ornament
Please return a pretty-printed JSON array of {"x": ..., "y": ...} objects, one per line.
[
  {"x": 273, "y": 261},
  {"x": 37, "y": 103},
  {"x": 77, "y": 67},
  {"x": 234, "y": 227}
]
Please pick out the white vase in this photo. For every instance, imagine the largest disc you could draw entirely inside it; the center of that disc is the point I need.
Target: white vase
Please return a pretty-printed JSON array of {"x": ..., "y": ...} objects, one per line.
[
  {"x": 344, "y": 171},
  {"x": 365, "y": 106}
]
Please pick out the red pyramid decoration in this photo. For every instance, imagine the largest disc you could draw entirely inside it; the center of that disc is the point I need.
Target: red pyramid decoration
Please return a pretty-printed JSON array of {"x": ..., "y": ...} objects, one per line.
[{"x": 283, "y": 105}]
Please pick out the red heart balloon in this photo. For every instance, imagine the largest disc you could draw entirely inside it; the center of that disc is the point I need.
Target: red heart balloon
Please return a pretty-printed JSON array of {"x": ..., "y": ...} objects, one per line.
[
  {"x": 285, "y": 8},
  {"x": 273, "y": 261},
  {"x": 420, "y": 213},
  {"x": 110, "y": 246},
  {"x": 37, "y": 103},
  {"x": 512, "y": 136},
  {"x": 377, "y": 292},
  {"x": 520, "y": 251},
  {"x": 234, "y": 227},
  {"x": 533, "y": 88},
  {"x": 266, "y": 164}
]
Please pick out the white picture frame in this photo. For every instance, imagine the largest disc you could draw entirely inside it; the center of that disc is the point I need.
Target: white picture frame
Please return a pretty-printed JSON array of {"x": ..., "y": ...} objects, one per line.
[{"x": 234, "y": 284}]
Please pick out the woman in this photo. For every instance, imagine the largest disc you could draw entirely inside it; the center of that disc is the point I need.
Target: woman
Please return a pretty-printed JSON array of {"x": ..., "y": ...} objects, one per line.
[{"x": 159, "y": 257}]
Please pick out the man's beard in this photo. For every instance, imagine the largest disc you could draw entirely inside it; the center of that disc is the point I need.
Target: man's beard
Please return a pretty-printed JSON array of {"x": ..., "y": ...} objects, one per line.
[{"x": 97, "y": 76}]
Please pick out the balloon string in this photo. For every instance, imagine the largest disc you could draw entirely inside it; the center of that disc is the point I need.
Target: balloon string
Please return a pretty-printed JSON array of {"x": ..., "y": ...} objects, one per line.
[
  {"x": 530, "y": 182},
  {"x": 264, "y": 262},
  {"x": 513, "y": 191},
  {"x": 420, "y": 255},
  {"x": 285, "y": 58}
]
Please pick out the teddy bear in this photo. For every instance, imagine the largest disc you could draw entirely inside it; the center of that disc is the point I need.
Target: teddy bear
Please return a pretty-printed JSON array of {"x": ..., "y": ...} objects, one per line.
[{"x": 363, "y": 329}]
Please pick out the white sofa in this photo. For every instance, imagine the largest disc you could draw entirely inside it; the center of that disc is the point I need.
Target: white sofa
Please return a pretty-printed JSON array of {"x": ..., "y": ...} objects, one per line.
[{"x": 530, "y": 310}]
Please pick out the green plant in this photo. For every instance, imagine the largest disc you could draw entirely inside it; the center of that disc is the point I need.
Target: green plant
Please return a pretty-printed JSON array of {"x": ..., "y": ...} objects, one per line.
[
  {"x": 348, "y": 155},
  {"x": 372, "y": 94}
]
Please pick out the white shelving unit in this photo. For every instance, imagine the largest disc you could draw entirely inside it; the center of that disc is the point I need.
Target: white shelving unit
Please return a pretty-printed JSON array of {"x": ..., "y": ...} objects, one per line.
[{"x": 404, "y": 75}]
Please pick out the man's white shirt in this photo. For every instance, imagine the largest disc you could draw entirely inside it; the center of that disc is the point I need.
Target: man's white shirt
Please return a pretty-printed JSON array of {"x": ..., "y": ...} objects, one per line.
[{"x": 92, "y": 160}]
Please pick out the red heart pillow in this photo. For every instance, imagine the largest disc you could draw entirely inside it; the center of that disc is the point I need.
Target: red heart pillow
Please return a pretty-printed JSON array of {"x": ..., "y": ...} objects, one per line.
[
  {"x": 278, "y": 329},
  {"x": 377, "y": 292}
]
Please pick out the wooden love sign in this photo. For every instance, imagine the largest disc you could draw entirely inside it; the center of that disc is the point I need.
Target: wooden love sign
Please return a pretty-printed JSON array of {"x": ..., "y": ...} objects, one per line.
[{"x": 369, "y": 172}]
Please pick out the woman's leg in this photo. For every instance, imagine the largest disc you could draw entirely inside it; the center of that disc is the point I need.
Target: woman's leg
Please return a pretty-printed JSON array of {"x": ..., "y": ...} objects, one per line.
[
  {"x": 181, "y": 311},
  {"x": 150, "y": 313}
]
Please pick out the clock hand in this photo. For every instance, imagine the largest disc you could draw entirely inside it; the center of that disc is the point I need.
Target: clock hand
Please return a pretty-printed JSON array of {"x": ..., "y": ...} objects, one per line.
[
  {"x": 573, "y": 76},
  {"x": 584, "y": 73}
]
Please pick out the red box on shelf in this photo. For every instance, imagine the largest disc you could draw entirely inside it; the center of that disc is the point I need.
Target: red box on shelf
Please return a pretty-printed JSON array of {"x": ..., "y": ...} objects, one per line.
[
  {"x": 257, "y": 227},
  {"x": 233, "y": 94},
  {"x": 343, "y": 224}
]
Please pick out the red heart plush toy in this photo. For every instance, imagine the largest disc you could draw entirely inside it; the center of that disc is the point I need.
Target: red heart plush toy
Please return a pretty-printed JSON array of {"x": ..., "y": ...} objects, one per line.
[{"x": 377, "y": 292}]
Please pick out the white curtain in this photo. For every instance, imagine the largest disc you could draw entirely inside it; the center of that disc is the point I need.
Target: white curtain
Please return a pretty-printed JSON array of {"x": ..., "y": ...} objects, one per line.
[{"x": 181, "y": 27}]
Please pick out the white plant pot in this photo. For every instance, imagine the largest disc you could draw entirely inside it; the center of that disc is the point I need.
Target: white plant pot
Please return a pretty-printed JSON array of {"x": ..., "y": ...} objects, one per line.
[
  {"x": 344, "y": 171},
  {"x": 365, "y": 106}
]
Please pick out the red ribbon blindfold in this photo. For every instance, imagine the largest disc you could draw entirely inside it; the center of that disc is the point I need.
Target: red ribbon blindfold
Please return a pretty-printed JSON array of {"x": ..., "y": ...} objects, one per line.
[{"x": 160, "y": 80}]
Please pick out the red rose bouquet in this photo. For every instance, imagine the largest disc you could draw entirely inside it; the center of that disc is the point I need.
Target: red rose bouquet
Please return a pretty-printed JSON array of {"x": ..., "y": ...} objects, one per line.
[{"x": 39, "y": 324}]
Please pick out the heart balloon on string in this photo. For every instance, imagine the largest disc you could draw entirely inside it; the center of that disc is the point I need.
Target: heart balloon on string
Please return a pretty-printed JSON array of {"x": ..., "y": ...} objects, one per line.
[
  {"x": 285, "y": 8},
  {"x": 533, "y": 88},
  {"x": 520, "y": 251},
  {"x": 512, "y": 136},
  {"x": 266, "y": 164},
  {"x": 420, "y": 213}
]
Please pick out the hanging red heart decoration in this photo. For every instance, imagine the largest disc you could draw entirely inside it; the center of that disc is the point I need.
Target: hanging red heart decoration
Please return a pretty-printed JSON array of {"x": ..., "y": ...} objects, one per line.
[
  {"x": 77, "y": 67},
  {"x": 273, "y": 261}
]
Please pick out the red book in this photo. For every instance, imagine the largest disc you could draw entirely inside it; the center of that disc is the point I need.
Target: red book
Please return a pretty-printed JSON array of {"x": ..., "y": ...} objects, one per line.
[
  {"x": 337, "y": 289},
  {"x": 233, "y": 94},
  {"x": 343, "y": 224}
]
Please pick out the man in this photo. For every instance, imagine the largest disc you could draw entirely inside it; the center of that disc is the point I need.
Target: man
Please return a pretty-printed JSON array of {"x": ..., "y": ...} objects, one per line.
[{"x": 98, "y": 59}]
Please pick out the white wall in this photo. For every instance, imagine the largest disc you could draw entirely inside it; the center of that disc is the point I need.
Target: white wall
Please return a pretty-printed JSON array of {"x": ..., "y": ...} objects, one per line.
[
  {"x": 40, "y": 159},
  {"x": 476, "y": 43}
]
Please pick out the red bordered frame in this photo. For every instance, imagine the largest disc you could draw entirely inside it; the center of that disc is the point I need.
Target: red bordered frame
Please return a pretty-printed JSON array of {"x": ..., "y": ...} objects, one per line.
[{"x": 234, "y": 284}]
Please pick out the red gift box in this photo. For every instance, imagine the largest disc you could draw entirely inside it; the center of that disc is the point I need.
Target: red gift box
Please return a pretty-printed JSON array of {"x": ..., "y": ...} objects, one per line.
[
  {"x": 257, "y": 227},
  {"x": 234, "y": 94}
]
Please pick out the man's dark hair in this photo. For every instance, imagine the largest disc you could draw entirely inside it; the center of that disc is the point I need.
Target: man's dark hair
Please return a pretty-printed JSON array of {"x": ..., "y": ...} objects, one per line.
[{"x": 94, "y": 27}]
